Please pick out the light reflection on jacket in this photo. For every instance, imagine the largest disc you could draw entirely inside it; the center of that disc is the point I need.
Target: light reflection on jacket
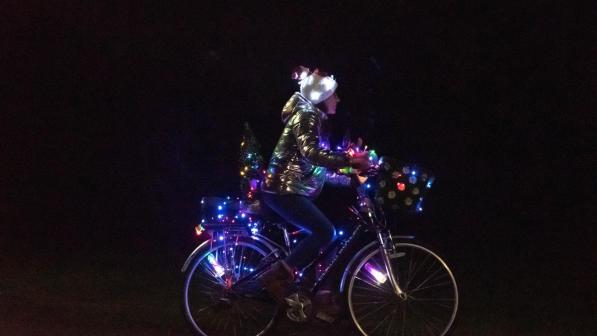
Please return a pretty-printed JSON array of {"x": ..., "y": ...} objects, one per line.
[{"x": 299, "y": 162}]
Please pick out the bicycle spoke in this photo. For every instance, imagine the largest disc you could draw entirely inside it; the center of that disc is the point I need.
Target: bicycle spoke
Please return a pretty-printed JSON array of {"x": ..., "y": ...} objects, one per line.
[
  {"x": 416, "y": 270},
  {"x": 426, "y": 319},
  {"x": 379, "y": 324},
  {"x": 372, "y": 284},
  {"x": 428, "y": 278},
  {"x": 374, "y": 310},
  {"x": 376, "y": 292},
  {"x": 431, "y": 286}
]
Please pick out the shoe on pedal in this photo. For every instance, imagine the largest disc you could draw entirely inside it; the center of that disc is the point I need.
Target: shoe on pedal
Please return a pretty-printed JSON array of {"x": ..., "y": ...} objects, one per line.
[{"x": 277, "y": 280}]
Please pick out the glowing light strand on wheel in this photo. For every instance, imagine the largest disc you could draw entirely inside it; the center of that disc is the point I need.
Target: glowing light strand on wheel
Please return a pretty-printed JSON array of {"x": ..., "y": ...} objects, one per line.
[
  {"x": 379, "y": 276},
  {"x": 219, "y": 270}
]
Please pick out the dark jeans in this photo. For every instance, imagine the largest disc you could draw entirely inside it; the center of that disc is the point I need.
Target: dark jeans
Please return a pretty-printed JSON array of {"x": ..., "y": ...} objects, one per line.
[{"x": 300, "y": 211}]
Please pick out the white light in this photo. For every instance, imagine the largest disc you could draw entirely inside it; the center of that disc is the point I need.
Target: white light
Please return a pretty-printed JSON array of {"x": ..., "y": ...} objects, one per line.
[
  {"x": 315, "y": 95},
  {"x": 243, "y": 215},
  {"x": 303, "y": 75},
  {"x": 217, "y": 267},
  {"x": 219, "y": 207},
  {"x": 380, "y": 277},
  {"x": 221, "y": 238}
]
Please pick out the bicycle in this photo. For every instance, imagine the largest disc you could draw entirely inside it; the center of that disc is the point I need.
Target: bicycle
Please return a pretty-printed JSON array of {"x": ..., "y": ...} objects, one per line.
[{"x": 392, "y": 285}]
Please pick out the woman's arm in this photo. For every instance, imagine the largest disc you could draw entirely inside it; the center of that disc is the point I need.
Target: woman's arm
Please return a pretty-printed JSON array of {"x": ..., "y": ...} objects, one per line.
[{"x": 306, "y": 132}]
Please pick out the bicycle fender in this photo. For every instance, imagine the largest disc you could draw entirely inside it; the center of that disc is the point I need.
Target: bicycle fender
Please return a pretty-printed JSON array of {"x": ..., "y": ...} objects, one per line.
[
  {"x": 359, "y": 254},
  {"x": 259, "y": 240},
  {"x": 193, "y": 254}
]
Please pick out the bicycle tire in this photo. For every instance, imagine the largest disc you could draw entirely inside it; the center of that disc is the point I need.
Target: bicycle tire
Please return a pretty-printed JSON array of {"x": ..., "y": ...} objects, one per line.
[
  {"x": 431, "y": 302},
  {"x": 209, "y": 305}
]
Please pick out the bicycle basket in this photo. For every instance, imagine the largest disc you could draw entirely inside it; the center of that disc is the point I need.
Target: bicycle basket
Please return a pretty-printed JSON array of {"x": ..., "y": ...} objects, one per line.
[{"x": 400, "y": 186}]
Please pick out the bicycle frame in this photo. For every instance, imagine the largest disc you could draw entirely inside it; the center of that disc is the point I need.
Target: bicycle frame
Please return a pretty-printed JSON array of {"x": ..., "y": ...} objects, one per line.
[
  {"x": 371, "y": 222},
  {"x": 384, "y": 241}
]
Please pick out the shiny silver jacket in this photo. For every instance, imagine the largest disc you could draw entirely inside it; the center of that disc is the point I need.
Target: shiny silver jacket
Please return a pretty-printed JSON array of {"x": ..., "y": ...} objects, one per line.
[{"x": 300, "y": 161}]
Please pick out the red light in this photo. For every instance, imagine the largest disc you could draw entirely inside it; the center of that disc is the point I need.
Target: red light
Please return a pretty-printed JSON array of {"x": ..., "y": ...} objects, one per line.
[{"x": 400, "y": 186}]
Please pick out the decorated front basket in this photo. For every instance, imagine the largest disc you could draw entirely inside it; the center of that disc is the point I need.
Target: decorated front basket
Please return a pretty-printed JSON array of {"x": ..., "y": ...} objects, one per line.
[{"x": 400, "y": 186}]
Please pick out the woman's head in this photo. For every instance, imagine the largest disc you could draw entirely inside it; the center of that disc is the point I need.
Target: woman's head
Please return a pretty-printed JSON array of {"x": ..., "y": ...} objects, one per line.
[
  {"x": 329, "y": 104},
  {"x": 316, "y": 86}
]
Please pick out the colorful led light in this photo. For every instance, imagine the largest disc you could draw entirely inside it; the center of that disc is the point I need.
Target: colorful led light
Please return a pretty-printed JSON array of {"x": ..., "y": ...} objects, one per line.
[
  {"x": 217, "y": 267},
  {"x": 379, "y": 277}
]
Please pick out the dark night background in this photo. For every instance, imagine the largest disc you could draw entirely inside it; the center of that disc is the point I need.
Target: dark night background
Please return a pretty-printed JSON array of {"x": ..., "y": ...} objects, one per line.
[{"x": 118, "y": 117}]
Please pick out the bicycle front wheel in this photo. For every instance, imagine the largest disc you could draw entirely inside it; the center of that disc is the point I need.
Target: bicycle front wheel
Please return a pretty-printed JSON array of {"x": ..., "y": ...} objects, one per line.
[
  {"x": 428, "y": 305},
  {"x": 211, "y": 305}
]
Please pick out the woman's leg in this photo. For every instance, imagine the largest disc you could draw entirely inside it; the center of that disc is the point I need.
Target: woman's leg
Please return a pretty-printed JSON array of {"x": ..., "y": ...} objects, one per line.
[{"x": 300, "y": 211}]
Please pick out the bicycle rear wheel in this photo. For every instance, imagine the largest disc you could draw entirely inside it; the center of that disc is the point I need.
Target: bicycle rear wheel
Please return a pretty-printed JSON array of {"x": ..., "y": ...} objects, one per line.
[
  {"x": 211, "y": 306},
  {"x": 429, "y": 306}
]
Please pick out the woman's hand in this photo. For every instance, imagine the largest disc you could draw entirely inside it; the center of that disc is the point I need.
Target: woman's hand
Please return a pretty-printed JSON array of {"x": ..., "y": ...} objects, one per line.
[
  {"x": 361, "y": 179},
  {"x": 360, "y": 161}
]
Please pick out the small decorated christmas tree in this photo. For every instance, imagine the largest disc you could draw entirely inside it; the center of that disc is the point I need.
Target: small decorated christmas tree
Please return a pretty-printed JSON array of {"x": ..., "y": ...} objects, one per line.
[{"x": 251, "y": 164}]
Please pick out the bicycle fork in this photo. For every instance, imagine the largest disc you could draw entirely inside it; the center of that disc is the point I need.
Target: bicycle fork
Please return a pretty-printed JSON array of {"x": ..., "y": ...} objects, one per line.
[{"x": 387, "y": 251}]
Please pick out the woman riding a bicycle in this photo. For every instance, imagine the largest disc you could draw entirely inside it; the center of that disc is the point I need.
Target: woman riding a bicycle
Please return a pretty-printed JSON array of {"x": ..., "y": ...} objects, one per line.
[{"x": 297, "y": 170}]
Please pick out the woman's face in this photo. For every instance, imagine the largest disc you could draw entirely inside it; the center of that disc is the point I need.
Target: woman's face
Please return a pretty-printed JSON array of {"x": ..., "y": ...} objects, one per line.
[{"x": 330, "y": 103}]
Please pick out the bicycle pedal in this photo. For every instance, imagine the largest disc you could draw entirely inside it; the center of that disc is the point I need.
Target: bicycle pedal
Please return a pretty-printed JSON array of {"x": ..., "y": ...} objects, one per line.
[
  {"x": 397, "y": 255},
  {"x": 325, "y": 317}
]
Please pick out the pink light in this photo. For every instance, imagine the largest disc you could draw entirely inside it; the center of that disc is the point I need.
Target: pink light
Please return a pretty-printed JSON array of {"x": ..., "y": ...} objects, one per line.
[{"x": 379, "y": 277}]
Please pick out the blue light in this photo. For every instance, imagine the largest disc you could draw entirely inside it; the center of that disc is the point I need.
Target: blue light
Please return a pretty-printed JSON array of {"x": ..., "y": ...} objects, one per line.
[
  {"x": 243, "y": 215},
  {"x": 414, "y": 172},
  {"x": 294, "y": 241},
  {"x": 219, "y": 207},
  {"x": 254, "y": 231},
  {"x": 251, "y": 269},
  {"x": 221, "y": 238},
  {"x": 368, "y": 186},
  {"x": 220, "y": 216},
  {"x": 341, "y": 232}
]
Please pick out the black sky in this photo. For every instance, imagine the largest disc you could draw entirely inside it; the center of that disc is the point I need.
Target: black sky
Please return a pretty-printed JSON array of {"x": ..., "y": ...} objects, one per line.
[{"x": 119, "y": 117}]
